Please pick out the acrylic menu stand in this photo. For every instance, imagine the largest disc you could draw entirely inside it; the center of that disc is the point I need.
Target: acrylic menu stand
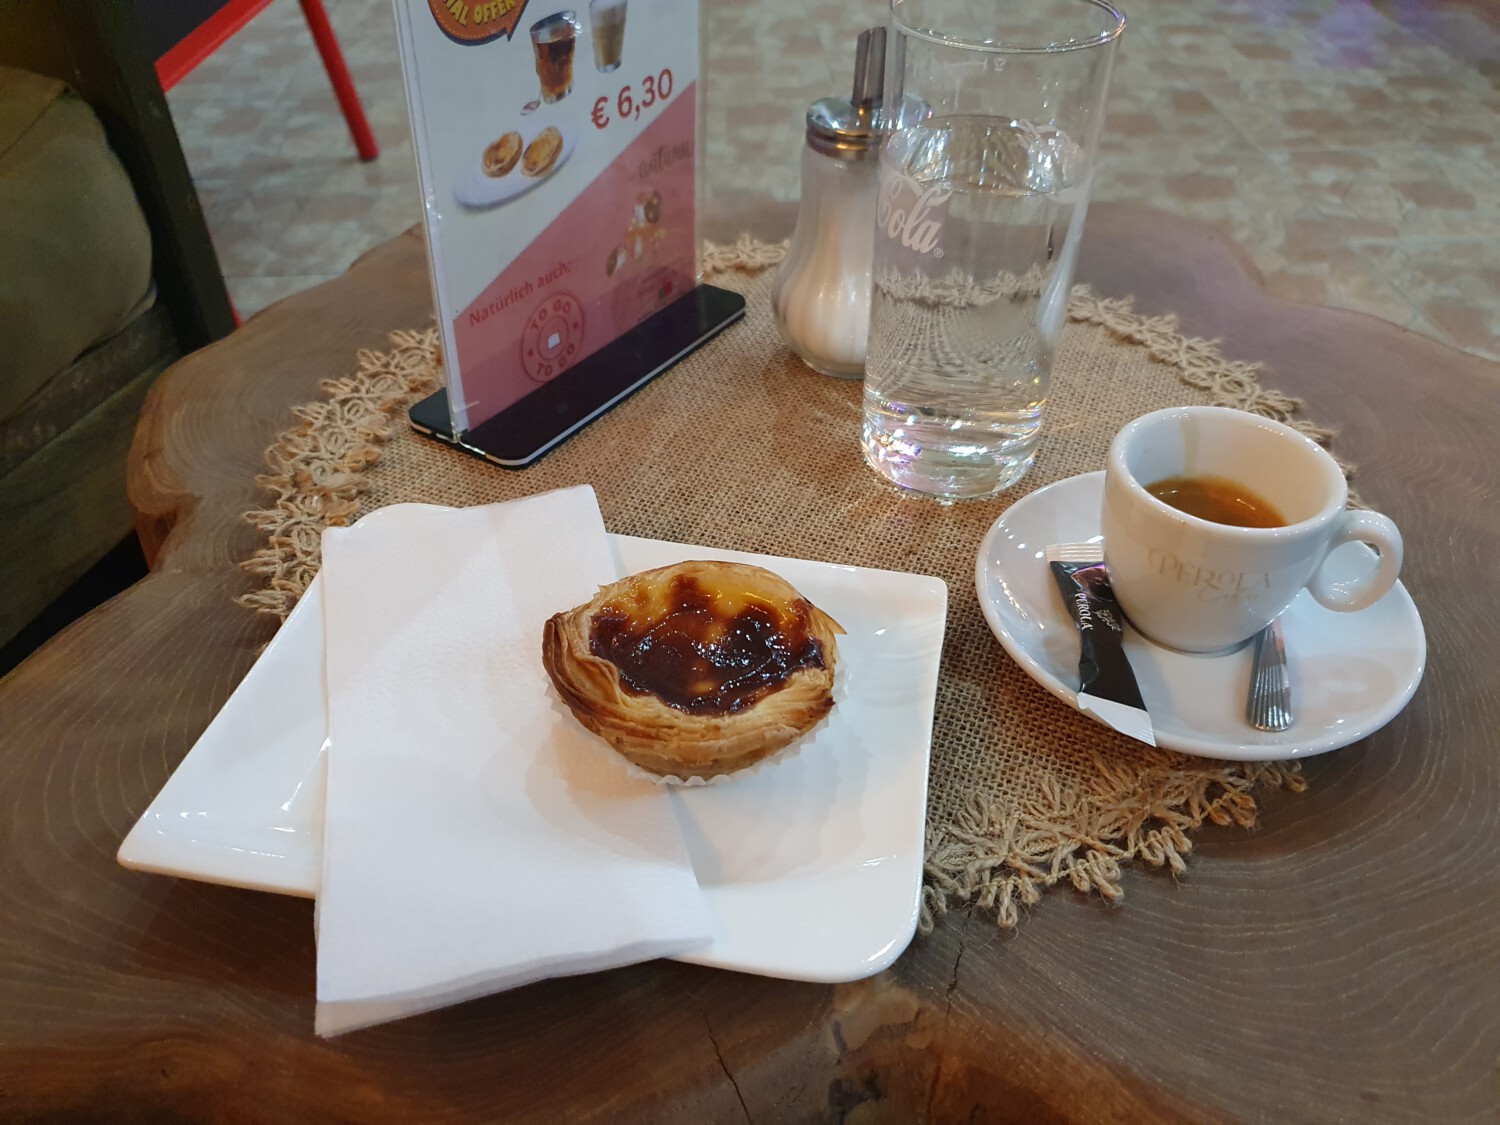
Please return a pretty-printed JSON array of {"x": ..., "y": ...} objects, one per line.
[{"x": 559, "y": 210}]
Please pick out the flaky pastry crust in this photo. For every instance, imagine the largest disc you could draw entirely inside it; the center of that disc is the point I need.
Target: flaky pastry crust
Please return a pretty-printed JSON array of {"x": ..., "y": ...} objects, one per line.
[
  {"x": 501, "y": 156},
  {"x": 668, "y": 740},
  {"x": 542, "y": 152}
]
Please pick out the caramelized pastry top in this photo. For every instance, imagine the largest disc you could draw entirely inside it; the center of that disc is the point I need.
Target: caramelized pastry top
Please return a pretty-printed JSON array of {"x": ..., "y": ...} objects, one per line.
[
  {"x": 697, "y": 669},
  {"x": 542, "y": 152},
  {"x": 501, "y": 156},
  {"x": 701, "y": 648}
]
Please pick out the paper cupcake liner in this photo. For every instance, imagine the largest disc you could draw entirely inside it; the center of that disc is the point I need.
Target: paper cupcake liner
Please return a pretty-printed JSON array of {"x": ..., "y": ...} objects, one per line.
[{"x": 840, "y": 693}]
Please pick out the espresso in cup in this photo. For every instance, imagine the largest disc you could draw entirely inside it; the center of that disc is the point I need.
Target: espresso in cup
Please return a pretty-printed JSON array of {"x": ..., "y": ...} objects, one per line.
[
  {"x": 1217, "y": 500},
  {"x": 1215, "y": 519}
]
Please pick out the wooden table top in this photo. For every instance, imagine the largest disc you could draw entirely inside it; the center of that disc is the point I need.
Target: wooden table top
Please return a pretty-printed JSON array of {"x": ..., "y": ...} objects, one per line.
[{"x": 1339, "y": 962}]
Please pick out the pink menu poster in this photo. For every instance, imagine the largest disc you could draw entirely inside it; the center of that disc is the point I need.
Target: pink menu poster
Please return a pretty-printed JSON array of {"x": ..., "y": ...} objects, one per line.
[{"x": 556, "y": 147}]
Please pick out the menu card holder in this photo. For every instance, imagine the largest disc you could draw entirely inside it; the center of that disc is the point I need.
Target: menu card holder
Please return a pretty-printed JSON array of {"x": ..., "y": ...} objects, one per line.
[{"x": 557, "y": 151}]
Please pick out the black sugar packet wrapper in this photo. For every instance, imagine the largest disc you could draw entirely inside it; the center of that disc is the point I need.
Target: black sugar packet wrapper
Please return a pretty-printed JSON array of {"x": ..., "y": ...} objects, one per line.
[{"x": 1107, "y": 688}]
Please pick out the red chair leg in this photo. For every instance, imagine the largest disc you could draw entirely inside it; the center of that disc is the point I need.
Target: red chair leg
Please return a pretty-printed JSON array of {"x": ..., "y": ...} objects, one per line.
[{"x": 338, "y": 74}]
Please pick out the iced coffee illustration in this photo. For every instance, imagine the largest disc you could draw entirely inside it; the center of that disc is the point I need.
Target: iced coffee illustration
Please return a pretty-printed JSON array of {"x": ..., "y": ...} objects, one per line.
[
  {"x": 552, "y": 41},
  {"x": 607, "y": 24}
]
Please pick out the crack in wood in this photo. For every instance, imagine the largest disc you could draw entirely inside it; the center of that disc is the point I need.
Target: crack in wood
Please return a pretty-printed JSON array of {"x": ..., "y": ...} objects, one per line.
[
  {"x": 718, "y": 1054},
  {"x": 957, "y": 961},
  {"x": 937, "y": 1066}
]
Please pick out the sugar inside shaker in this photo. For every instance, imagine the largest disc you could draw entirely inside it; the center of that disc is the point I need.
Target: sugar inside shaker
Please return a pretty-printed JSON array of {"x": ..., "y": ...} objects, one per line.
[{"x": 821, "y": 297}]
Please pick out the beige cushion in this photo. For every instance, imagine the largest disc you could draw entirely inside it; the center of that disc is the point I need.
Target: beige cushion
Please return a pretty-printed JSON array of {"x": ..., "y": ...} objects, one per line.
[{"x": 75, "y": 252}]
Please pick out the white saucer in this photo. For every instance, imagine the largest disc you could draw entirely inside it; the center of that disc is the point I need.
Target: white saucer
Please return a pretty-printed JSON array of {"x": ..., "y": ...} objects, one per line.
[{"x": 1351, "y": 672}]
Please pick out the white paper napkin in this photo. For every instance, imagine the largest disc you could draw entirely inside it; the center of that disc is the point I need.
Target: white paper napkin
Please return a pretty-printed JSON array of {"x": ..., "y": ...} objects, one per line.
[{"x": 474, "y": 840}]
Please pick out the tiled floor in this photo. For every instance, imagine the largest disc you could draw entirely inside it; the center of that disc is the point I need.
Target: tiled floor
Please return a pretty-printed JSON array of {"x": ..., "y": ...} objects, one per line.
[{"x": 1352, "y": 147}]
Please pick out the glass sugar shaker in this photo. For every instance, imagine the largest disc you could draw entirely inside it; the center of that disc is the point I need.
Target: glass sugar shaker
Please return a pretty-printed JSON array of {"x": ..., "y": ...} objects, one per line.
[{"x": 822, "y": 293}]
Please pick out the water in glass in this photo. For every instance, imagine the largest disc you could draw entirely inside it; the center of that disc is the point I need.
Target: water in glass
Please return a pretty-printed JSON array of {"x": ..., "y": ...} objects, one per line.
[{"x": 974, "y": 252}]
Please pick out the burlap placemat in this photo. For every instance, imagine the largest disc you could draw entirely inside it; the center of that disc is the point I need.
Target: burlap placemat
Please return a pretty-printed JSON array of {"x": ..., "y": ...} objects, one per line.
[{"x": 742, "y": 447}]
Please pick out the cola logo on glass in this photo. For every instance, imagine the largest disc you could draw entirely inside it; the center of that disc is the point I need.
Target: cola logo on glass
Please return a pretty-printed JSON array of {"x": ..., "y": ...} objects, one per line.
[{"x": 912, "y": 213}]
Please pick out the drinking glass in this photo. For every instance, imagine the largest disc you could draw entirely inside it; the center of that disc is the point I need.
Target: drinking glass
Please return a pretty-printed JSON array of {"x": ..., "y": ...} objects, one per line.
[
  {"x": 994, "y": 109},
  {"x": 607, "y": 26},
  {"x": 552, "y": 40}
]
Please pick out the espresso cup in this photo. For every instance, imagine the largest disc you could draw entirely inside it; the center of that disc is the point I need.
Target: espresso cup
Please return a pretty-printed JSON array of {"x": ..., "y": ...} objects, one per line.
[{"x": 1202, "y": 586}]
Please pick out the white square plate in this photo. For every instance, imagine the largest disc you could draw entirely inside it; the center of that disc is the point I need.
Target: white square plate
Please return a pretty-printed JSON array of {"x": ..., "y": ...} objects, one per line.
[{"x": 812, "y": 866}]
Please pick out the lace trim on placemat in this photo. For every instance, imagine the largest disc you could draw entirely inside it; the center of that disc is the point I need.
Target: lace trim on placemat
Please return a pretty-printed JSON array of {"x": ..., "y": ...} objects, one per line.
[
  {"x": 317, "y": 469},
  {"x": 1001, "y": 859}
]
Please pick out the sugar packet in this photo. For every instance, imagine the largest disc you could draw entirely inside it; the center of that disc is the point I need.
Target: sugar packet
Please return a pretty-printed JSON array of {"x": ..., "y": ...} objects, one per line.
[{"x": 1107, "y": 687}]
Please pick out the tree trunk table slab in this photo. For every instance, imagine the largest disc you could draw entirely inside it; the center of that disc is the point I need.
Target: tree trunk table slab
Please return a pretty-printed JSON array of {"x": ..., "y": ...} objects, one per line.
[{"x": 1339, "y": 962}]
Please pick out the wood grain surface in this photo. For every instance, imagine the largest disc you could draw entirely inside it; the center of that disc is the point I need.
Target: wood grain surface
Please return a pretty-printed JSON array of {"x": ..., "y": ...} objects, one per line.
[{"x": 1341, "y": 962}]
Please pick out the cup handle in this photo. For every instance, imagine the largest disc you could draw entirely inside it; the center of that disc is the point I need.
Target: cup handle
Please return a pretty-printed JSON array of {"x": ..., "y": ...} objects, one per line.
[{"x": 1374, "y": 530}]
